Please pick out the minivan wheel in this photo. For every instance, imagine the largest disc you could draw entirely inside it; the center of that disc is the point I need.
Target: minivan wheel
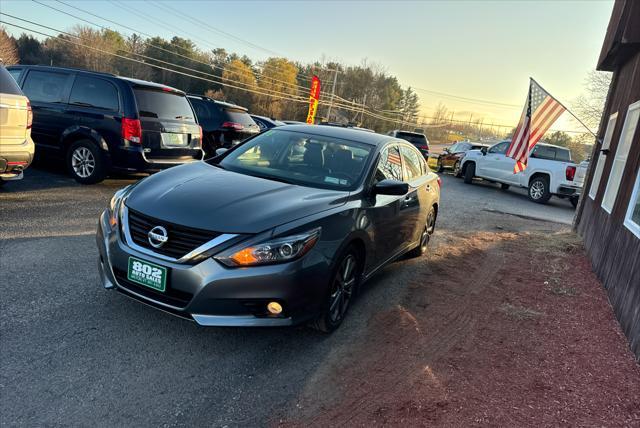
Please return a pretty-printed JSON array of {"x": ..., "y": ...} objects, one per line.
[
  {"x": 425, "y": 237},
  {"x": 539, "y": 190},
  {"x": 342, "y": 291},
  {"x": 469, "y": 173},
  {"x": 85, "y": 162}
]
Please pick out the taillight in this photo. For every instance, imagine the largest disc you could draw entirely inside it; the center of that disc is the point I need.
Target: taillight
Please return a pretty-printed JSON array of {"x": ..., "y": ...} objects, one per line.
[
  {"x": 132, "y": 130},
  {"x": 423, "y": 147},
  {"x": 233, "y": 125},
  {"x": 201, "y": 136},
  {"x": 439, "y": 182},
  {"x": 570, "y": 173},
  {"x": 29, "y": 115}
]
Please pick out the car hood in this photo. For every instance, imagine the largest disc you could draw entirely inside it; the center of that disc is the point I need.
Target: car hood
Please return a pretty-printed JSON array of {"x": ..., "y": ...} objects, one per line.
[{"x": 206, "y": 197}]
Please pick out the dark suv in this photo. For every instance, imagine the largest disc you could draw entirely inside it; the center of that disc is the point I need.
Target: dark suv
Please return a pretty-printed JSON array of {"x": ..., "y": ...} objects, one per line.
[
  {"x": 418, "y": 139},
  {"x": 99, "y": 122},
  {"x": 224, "y": 124}
]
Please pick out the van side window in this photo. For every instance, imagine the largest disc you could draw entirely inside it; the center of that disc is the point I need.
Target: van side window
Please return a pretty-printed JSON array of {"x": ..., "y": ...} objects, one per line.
[
  {"x": 15, "y": 73},
  {"x": 92, "y": 92},
  {"x": 45, "y": 86}
]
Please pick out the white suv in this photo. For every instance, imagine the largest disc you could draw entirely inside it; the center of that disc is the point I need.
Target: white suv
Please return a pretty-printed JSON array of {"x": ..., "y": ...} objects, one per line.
[{"x": 550, "y": 171}]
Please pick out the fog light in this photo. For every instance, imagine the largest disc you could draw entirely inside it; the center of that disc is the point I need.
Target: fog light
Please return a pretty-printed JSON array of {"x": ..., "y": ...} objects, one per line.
[{"x": 274, "y": 308}]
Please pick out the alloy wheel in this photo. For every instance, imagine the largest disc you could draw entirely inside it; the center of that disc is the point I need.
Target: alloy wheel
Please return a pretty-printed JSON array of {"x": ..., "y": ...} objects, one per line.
[
  {"x": 537, "y": 189},
  {"x": 342, "y": 288},
  {"x": 83, "y": 162}
]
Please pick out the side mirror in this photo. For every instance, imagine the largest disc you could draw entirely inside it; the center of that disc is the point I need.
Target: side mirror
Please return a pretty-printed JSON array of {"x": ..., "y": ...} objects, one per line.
[
  {"x": 220, "y": 151},
  {"x": 446, "y": 150},
  {"x": 391, "y": 187},
  {"x": 484, "y": 151}
]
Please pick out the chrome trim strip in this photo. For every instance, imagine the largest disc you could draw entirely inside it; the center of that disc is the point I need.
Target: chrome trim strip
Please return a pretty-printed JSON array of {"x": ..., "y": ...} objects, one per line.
[
  {"x": 124, "y": 218},
  {"x": 239, "y": 321}
]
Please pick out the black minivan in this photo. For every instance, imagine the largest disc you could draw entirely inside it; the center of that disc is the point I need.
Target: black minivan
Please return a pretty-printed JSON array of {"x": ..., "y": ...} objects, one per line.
[
  {"x": 224, "y": 124},
  {"x": 100, "y": 122}
]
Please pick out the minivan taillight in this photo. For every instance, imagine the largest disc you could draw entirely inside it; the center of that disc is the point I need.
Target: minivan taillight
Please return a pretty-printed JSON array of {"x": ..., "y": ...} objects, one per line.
[
  {"x": 201, "y": 136},
  {"x": 132, "y": 130},
  {"x": 423, "y": 147},
  {"x": 570, "y": 173},
  {"x": 29, "y": 115},
  {"x": 233, "y": 125}
]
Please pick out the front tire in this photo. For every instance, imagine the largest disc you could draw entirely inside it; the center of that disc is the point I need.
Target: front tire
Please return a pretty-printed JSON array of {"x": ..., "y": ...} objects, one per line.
[
  {"x": 456, "y": 170},
  {"x": 342, "y": 290},
  {"x": 440, "y": 165},
  {"x": 425, "y": 237},
  {"x": 85, "y": 162},
  {"x": 469, "y": 173},
  {"x": 539, "y": 190}
]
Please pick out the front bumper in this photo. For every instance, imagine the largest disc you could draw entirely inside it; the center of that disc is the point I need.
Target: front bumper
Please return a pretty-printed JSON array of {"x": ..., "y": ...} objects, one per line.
[{"x": 212, "y": 294}]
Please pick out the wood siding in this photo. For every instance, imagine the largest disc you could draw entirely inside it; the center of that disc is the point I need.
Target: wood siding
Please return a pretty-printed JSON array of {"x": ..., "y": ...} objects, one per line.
[{"x": 613, "y": 249}]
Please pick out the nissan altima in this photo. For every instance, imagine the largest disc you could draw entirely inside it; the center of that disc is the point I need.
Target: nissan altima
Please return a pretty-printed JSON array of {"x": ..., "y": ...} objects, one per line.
[{"x": 279, "y": 230}]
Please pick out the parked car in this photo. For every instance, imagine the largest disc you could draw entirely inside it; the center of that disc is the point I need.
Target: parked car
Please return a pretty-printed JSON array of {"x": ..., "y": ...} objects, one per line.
[
  {"x": 98, "y": 122},
  {"x": 417, "y": 139},
  {"x": 550, "y": 170},
  {"x": 293, "y": 122},
  {"x": 451, "y": 156},
  {"x": 266, "y": 123},
  {"x": 287, "y": 239},
  {"x": 16, "y": 145},
  {"x": 224, "y": 124}
]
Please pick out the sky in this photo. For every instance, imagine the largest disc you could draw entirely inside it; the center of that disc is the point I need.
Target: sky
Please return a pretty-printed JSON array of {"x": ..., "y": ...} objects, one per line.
[{"x": 483, "y": 50}]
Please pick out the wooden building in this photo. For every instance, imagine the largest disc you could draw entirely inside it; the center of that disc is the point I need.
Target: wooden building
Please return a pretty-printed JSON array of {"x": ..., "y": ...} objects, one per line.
[{"x": 608, "y": 216}]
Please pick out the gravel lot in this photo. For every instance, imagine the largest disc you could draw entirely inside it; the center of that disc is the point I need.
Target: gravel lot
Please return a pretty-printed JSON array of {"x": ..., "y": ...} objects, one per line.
[{"x": 75, "y": 354}]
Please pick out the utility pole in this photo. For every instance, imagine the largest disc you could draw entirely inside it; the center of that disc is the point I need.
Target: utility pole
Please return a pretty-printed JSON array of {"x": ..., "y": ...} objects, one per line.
[
  {"x": 333, "y": 93},
  {"x": 364, "y": 103}
]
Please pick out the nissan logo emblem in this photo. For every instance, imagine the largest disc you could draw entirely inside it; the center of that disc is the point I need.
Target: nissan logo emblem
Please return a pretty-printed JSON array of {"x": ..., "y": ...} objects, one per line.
[{"x": 157, "y": 236}]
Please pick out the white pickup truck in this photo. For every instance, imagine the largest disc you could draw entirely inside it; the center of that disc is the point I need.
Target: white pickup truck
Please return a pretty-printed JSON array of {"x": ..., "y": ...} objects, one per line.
[{"x": 550, "y": 171}]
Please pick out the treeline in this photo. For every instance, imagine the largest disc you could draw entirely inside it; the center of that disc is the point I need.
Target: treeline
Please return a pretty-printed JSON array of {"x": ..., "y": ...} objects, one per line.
[{"x": 277, "y": 87}]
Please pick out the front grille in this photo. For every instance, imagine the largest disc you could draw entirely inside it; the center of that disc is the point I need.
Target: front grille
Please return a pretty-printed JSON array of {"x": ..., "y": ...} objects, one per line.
[
  {"x": 182, "y": 239},
  {"x": 171, "y": 296}
]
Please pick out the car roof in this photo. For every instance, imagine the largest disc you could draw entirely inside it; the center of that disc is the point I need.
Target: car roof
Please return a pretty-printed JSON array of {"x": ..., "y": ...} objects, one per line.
[
  {"x": 408, "y": 132},
  {"x": 343, "y": 133},
  {"x": 222, "y": 103},
  {"x": 130, "y": 80},
  {"x": 263, "y": 117}
]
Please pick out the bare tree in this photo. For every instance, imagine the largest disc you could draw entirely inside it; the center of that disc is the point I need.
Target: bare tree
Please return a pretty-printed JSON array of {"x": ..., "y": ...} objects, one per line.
[
  {"x": 8, "y": 48},
  {"x": 589, "y": 105}
]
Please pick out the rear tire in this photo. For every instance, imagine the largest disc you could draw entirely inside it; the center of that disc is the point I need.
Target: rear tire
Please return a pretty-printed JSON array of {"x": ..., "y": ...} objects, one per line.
[
  {"x": 342, "y": 290},
  {"x": 469, "y": 173},
  {"x": 504, "y": 186},
  {"x": 456, "y": 170},
  {"x": 86, "y": 163},
  {"x": 425, "y": 237},
  {"x": 539, "y": 190}
]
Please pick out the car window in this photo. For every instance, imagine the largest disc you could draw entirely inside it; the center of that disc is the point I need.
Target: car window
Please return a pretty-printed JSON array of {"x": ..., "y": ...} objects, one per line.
[
  {"x": 412, "y": 165},
  {"x": 93, "y": 92},
  {"x": 15, "y": 73},
  {"x": 413, "y": 138},
  {"x": 544, "y": 152},
  {"x": 301, "y": 158},
  {"x": 453, "y": 148},
  {"x": 8, "y": 84},
  {"x": 202, "y": 110},
  {"x": 463, "y": 147},
  {"x": 238, "y": 116},
  {"x": 45, "y": 86},
  {"x": 500, "y": 148},
  {"x": 389, "y": 165},
  {"x": 162, "y": 104},
  {"x": 563, "y": 155}
]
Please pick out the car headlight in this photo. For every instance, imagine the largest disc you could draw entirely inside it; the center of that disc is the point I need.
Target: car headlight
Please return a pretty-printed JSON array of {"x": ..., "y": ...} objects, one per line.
[
  {"x": 114, "y": 205},
  {"x": 278, "y": 250}
]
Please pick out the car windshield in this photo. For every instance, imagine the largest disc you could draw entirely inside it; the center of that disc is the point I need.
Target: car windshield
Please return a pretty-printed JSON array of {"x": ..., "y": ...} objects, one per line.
[
  {"x": 415, "y": 139},
  {"x": 163, "y": 104},
  {"x": 301, "y": 158}
]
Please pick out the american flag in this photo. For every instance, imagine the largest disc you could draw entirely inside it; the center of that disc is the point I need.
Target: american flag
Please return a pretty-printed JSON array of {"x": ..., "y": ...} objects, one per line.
[{"x": 541, "y": 110}]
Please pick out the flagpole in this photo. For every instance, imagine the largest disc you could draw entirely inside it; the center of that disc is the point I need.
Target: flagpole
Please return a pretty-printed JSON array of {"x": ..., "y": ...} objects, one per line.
[{"x": 566, "y": 109}]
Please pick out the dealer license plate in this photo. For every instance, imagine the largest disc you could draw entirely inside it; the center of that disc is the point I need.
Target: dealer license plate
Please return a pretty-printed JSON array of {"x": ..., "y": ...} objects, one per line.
[{"x": 148, "y": 274}]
